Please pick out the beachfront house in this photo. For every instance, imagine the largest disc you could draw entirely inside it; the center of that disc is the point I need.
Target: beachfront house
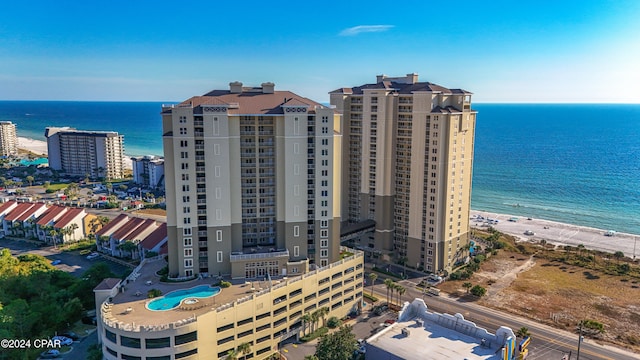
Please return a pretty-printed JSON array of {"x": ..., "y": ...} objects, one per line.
[{"x": 5, "y": 208}]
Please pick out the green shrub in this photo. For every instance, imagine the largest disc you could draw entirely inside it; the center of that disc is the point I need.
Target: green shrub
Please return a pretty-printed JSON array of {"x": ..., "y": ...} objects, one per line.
[
  {"x": 154, "y": 293},
  {"x": 316, "y": 334},
  {"x": 369, "y": 297},
  {"x": 225, "y": 284},
  {"x": 333, "y": 322}
]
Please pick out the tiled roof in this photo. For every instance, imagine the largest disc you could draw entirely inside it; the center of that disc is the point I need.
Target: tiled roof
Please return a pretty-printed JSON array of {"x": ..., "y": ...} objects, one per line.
[
  {"x": 27, "y": 214},
  {"x": 127, "y": 228},
  {"x": 108, "y": 284},
  {"x": 155, "y": 237},
  {"x": 140, "y": 229},
  {"x": 19, "y": 210},
  {"x": 68, "y": 217},
  {"x": 113, "y": 225},
  {"x": 6, "y": 206},
  {"x": 50, "y": 215},
  {"x": 250, "y": 102},
  {"x": 401, "y": 88}
]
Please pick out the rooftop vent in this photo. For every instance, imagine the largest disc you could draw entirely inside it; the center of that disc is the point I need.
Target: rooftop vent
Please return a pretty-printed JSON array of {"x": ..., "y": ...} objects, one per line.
[
  {"x": 268, "y": 87},
  {"x": 235, "y": 87}
]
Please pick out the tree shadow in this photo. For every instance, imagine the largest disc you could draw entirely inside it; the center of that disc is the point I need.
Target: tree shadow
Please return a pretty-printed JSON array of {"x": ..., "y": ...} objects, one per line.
[{"x": 590, "y": 276}]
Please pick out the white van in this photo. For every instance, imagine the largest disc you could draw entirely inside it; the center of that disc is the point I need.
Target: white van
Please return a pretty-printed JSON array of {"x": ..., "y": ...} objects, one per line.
[{"x": 434, "y": 291}]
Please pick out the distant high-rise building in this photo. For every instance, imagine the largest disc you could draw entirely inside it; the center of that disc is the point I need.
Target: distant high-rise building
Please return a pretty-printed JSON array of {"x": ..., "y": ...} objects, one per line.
[
  {"x": 99, "y": 154},
  {"x": 8, "y": 139},
  {"x": 148, "y": 171},
  {"x": 407, "y": 164},
  {"x": 252, "y": 183}
]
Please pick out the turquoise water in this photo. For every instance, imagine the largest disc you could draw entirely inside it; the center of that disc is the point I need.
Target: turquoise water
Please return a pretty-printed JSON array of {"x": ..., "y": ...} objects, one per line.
[
  {"x": 573, "y": 163},
  {"x": 38, "y": 161},
  {"x": 174, "y": 298}
]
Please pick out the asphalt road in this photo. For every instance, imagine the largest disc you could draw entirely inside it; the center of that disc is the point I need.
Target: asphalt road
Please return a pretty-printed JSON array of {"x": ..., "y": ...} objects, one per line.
[{"x": 547, "y": 342}]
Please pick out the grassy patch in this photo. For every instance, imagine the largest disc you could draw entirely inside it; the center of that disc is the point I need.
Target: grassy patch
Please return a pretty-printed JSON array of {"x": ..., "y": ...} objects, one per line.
[
  {"x": 314, "y": 335},
  {"x": 157, "y": 212},
  {"x": 369, "y": 297},
  {"x": 57, "y": 187},
  {"x": 80, "y": 245}
]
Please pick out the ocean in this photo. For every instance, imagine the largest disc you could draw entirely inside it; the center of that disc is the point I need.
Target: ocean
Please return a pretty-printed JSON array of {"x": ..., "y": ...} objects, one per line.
[{"x": 572, "y": 163}]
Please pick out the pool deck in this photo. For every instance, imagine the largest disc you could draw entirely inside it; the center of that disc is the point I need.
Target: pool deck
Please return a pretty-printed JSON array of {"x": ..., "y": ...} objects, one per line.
[{"x": 129, "y": 306}]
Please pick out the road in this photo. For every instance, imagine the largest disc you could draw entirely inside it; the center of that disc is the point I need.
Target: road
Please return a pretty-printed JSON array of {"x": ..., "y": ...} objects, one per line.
[{"x": 547, "y": 342}]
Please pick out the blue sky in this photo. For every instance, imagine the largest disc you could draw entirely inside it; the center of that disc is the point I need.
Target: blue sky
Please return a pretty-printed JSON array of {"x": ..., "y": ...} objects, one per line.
[{"x": 502, "y": 51}]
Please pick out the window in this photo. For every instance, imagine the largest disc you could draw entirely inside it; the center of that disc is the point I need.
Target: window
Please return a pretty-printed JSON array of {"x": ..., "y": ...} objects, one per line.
[
  {"x": 216, "y": 127},
  {"x": 183, "y": 131},
  {"x": 188, "y": 263},
  {"x": 187, "y": 242},
  {"x": 183, "y": 354},
  {"x": 182, "y": 119},
  {"x": 186, "y": 231},
  {"x": 216, "y": 149},
  {"x": 186, "y": 338},
  {"x": 185, "y": 177},
  {"x": 185, "y": 166},
  {"x": 186, "y": 199},
  {"x": 324, "y": 253},
  {"x": 219, "y": 256},
  {"x": 188, "y": 252},
  {"x": 187, "y": 220},
  {"x": 296, "y": 251},
  {"x": 324, "y": 243},
  {"x": 324, "y": 233},
  {"x": 183, "y": 143},
  {"x": 130, "y": 342},
  {"x": 296, "y": 231},
  {"x": 157, "y": 343},
  {"x": 184, "y": 155},
  {"x": 185, "y": 187},
  {"x": 324, "y": 223},
  {"x": 186, "y": 209}
]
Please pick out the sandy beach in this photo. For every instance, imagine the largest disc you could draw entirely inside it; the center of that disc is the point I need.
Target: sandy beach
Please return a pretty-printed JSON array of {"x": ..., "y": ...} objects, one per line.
[
  {"x": 560, "y": 233},
  {"x": 40, "y": 147}
]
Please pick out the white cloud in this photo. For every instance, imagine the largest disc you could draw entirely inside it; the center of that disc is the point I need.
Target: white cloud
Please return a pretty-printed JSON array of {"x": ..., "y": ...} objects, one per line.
[{"x": 352, "y": 31}]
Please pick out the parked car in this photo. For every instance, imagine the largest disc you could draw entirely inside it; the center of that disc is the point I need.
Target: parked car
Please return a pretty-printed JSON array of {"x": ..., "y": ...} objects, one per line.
[
  {"x": 389, "y": 321},
  {"x": 92, "y": 256},
  {"x": 85, "y": 252},
  {"x": 56, "y": 262},
  {"x": 50, "y": 354},
  {"x": 529, "y": 232},
  {"x": 65, "y": 341}
]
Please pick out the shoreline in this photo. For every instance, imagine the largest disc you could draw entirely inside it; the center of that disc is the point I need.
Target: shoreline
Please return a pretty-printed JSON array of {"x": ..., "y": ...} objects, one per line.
[
  {"x": 40, "y": 147},
  {"x": 558, "y": 233}
]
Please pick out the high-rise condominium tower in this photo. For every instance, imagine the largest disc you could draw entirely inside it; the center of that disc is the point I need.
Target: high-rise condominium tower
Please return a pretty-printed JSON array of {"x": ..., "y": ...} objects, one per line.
[
  {"x": 8, "y": 139},
  {"x": 253, "y": 183},
  {"x": 407, "y": 165},
  {"x": 99, "y": 154}
]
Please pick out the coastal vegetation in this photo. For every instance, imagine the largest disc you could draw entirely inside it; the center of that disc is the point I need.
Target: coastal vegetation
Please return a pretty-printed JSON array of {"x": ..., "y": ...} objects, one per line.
[
  {"x": 339, "y": 345},
  {"x": 558, "y": 285},
  {"x": 37, "y": 300}
]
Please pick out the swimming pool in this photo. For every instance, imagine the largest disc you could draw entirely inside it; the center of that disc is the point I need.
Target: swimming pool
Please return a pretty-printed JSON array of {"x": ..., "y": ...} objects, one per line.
[{"x": 174, "y": 298}]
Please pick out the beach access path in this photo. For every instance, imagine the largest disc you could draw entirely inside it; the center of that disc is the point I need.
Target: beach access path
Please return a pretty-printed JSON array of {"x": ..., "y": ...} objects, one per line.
[{"x": 560, "y": 233}]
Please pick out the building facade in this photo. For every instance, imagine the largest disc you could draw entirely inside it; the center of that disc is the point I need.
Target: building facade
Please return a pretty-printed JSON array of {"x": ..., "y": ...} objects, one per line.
[
  {"x": 148, "y": 171},
  {"x": 212, "y": 327},
  {"x": 8, "y": 139},
  {"x": 407, "y": 164},
  {"x": 99, "y": 154},
  {"x": 252, "y": 178}
]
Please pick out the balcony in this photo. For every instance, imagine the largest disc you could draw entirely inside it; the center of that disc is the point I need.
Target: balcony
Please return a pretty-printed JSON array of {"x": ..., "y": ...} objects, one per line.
[{"x": 267, "y": 254}]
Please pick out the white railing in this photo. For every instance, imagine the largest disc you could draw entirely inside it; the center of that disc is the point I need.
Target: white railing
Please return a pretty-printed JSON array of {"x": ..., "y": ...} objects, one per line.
[{"x": 279, "y": 253}]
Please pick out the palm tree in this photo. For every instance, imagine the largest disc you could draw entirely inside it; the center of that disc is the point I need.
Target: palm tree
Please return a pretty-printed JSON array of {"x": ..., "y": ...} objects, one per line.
[
  {"x": 315, "y": 316},
  {"x": 29, "y": 180},
  {"x": 322, "y": 312},
  {"x": 523, "y": 332},
  {"x": 306, "y": 319},
  {"x": 401, "y": 291},
  {"x": 53, "y": 234},
  {"x": 245, "y": 349},
  {"x": 232, "y": 354},
  {"x": 467, "y": 286},
  {"x": 389, "y": 284},
  {"x": 72, "y": 230},
  {"x": 373, "y": 277}
]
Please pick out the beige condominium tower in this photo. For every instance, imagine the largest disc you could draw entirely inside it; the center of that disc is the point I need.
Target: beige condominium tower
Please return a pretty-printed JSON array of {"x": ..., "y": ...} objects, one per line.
[
  {"x": 253, "y": 183},
  {"x": 407, "y": 165},
  {"x": 8, "y": 139}
]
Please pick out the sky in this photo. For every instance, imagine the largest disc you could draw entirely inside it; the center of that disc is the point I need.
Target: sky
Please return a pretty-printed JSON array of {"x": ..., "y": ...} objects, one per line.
[{"x": 503, "y": 51}]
